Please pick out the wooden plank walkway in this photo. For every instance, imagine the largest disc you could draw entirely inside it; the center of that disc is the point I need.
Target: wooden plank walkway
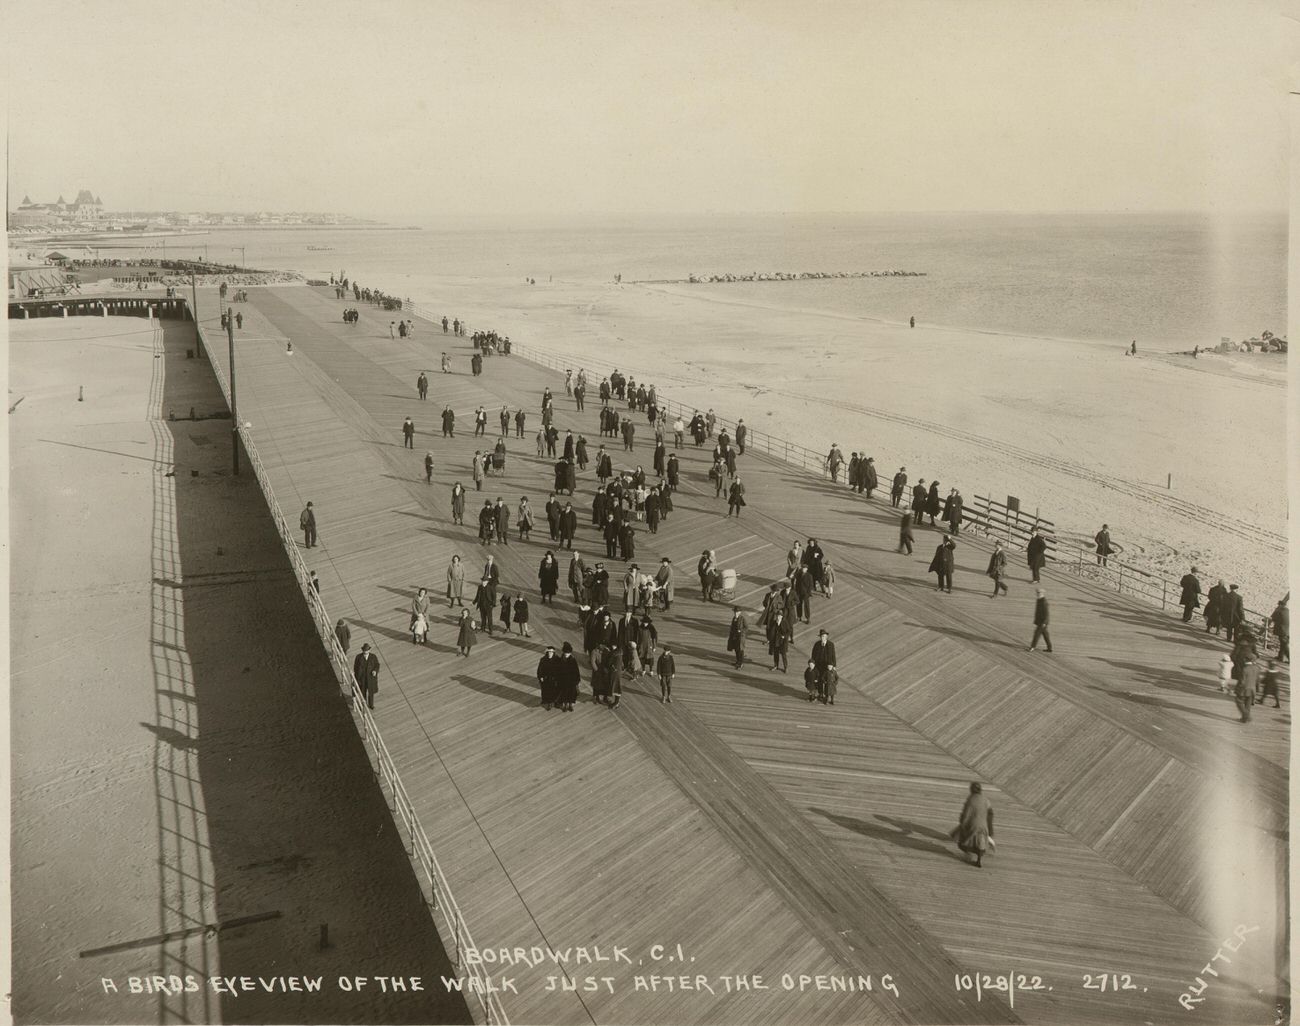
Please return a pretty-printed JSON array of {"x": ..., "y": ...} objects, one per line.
[{"x": 766, "y": 834}]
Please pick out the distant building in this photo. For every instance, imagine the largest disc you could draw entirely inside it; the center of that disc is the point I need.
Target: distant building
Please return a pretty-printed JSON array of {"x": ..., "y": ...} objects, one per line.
[{"x": 86, "y": 207}]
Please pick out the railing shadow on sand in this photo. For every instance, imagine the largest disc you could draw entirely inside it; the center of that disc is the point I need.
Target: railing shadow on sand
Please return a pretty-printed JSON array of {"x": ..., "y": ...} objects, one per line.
[{"x": 433, "y": 881}]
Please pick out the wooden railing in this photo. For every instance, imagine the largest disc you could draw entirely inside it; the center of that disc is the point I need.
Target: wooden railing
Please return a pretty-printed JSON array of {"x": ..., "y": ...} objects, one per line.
[{"x": 434, "y": 884}]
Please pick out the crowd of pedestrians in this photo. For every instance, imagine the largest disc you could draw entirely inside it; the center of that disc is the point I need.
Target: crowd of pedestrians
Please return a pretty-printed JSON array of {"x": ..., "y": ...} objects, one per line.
[{"x": 621, "y": 634}]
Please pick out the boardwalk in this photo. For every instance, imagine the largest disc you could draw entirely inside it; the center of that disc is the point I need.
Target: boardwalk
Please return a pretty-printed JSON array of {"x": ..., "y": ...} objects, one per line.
[{"x": 1138, "y": 823}]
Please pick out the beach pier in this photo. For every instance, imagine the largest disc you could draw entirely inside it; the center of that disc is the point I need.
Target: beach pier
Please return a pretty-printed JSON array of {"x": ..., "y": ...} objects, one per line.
[{"x": 743, "y": 833}]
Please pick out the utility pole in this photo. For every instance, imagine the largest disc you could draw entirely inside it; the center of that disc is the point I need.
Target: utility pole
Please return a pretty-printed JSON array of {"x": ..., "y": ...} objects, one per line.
[
  {"x": 194, "y": 292},
  {"x": 234, "y": 409}
]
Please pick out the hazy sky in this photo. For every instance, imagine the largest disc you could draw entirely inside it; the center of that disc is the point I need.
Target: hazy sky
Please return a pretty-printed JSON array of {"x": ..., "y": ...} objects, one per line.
[{"x": 406, "y": 109}]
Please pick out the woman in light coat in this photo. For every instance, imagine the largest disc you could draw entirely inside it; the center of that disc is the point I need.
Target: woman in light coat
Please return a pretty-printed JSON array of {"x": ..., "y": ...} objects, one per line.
[{"x": 456, "y": 583}]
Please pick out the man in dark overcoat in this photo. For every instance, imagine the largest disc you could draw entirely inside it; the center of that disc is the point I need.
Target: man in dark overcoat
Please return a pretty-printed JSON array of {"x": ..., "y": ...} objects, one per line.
[
  {"x": 568, "y": 525},
  {"x": 1233, "y": 613},
  {"x": 737, "y": 634},
  {"x": 942, "y": 564},
  {"x": 823, "y": 658},
  {"x": 1190, "y": 599},
  {"x": 918, "y": 501},
  {"x": 780, "y": 632},
  {"x": 896, "y": 490},
  {"x": 870, "y": 480},
  {"x": 365, "y": 669},
  {"x": 1036, "y": 554},
  {"x": 803, "y": 591},
  {"x": 548, "y": 668}
]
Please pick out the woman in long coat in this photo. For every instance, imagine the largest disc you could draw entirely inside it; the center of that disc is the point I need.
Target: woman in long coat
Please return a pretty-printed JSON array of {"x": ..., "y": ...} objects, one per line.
[
  {"x": 567, "y": 678},
  {"x": 457, "y": 503},
  {"x": 465, "y": 633},
  {"x": 664, "y": 583},
  {"x": 455, "y": 583},
  {"x": 548, "y": 577},
  {"x": 652, "y": 511},
  {"x": 673, "y": 472},
  {"x": 524, "y": 518},
  {"x": 505, "y": 612},
  {"x": 665, "y": 503},
  {"x": 932, "y": 503},
  {"x": 1214, "y": 608},
  {"x": 974, "y": 833},
  {"x": 661, "y": 455},
  {"x": 487, "y": 522}
]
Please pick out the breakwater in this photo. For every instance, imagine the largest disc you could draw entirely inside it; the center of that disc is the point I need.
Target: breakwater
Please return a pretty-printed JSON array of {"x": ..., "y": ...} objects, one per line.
[{"x": 725, "y": 279}]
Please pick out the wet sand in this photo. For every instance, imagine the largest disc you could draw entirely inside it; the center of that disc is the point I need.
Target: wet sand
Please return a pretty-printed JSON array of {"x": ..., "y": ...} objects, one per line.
[{"x": 180, "y": 752}]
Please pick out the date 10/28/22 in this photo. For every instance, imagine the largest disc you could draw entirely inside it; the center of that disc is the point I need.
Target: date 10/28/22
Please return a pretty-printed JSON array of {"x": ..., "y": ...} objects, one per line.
[{"x": 1012, "y": 983}]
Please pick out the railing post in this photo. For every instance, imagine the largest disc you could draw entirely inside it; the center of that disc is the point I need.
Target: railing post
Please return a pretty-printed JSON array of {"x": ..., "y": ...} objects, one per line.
[
  {"x": 1164, "y": 593},
  {"x": 1121, "y": 578}
]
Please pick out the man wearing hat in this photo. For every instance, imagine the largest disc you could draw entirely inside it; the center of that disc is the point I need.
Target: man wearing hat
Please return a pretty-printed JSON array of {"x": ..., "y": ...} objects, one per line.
[
  {"x": 736, "y": 635},
  {"x": 1190, "y": 599},
  {"x": 567, "y": 678},
  {"x": 308, "y": 524},
  {"x": 1041, "y": 618},
  {"x": 867, "y": 477},
  {"x": 1233, "y": 613},
  {"x": 366, "y": 671},
  {"x": 548, "y": 672},
  {"x": 896, "y": 492},
  {"x": 823, "y": 658}
]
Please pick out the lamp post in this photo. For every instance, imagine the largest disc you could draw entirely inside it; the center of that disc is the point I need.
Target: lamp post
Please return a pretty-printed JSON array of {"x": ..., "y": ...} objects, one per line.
[
  {"x": 234, "y": 409},
  {"x": 194, "y": 293}
]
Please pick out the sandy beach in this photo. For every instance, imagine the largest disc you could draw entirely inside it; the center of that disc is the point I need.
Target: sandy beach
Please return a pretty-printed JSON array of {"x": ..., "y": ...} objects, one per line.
[
  {"x": 1076, "y": 430},
  {"x": 180, "y": 753}
]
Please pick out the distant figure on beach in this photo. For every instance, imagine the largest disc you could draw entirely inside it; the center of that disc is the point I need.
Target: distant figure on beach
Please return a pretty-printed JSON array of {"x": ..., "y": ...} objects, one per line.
[
  {"x": 1133, "y": 350},
  {"x": 912, "y": 322},
  {"x": 444, "y": 325}
]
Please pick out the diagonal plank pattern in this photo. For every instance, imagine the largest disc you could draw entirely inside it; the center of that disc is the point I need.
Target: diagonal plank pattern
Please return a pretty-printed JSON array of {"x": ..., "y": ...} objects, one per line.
[{"x": 774, "y": 834}]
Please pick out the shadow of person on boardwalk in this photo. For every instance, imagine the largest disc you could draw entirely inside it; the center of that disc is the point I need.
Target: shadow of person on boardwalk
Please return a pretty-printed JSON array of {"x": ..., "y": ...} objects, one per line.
[
  {"x": 953, "y": 632},
  {"x": 487, "y": 687},
  {"x": 1156, "y": 702},
  {"x": 897, "y": 831},
  {"x": 1203, "y": 685}
]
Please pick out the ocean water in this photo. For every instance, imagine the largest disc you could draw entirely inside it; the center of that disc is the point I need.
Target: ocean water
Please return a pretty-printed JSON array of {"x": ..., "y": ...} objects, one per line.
[{"x": 1168, "y": 280}]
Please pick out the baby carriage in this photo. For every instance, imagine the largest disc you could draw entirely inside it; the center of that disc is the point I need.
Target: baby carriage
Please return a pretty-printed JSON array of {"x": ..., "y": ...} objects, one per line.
[{"x": 725, "y": 583}]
